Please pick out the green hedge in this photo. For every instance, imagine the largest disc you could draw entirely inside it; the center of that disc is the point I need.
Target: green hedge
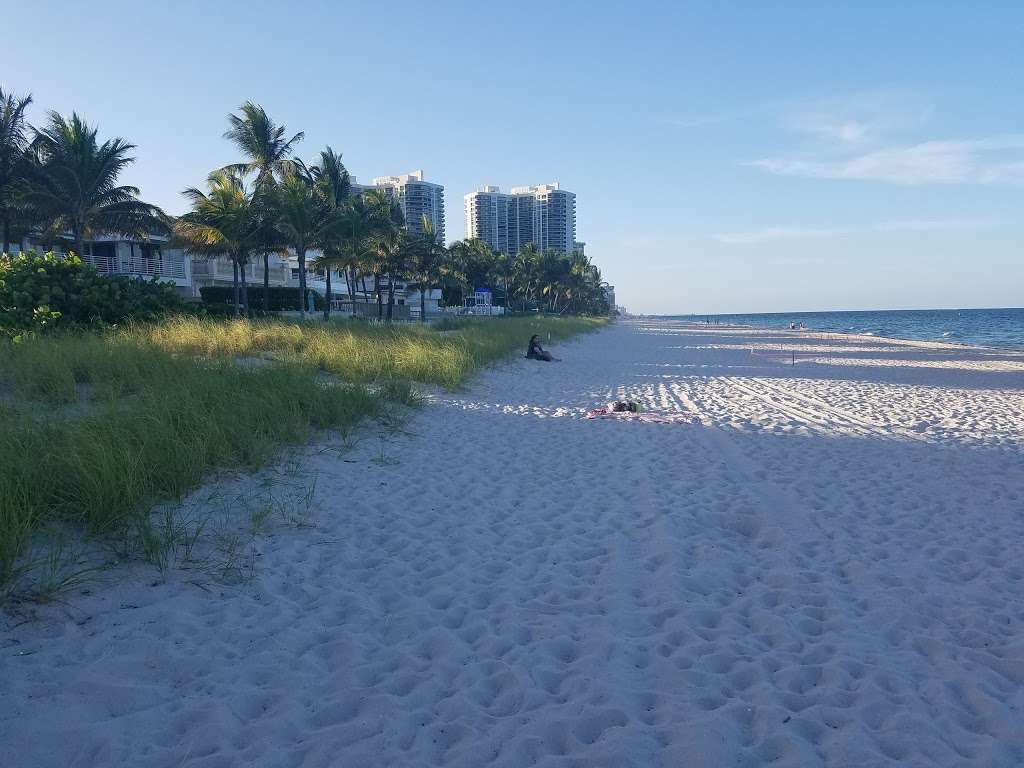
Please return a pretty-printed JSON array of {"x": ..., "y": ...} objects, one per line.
[
  {"x": 40, "y": 293},
  {"x": 281, "y": 298}
]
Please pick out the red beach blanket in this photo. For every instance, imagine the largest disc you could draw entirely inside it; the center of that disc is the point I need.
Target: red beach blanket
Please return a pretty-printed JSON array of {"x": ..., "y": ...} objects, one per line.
[{"x": 651, "y": 417}]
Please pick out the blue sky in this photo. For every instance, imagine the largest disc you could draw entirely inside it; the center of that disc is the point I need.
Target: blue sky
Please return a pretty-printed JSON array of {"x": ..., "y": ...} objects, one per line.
[{"x": 727, "y": 157}]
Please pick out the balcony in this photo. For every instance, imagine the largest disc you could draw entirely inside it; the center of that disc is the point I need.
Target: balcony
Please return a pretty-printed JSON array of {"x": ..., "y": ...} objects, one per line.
[
  {"x": 171, "y": 266},
  {"x": 220, "y": 270}
]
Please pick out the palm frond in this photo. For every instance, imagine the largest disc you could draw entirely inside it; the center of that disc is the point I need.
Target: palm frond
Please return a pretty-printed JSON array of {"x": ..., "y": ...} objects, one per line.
[
  {"x": 14, "y": 141},
  {"x": 71, "y": 181},
  {"x": 261, "y": 141}
]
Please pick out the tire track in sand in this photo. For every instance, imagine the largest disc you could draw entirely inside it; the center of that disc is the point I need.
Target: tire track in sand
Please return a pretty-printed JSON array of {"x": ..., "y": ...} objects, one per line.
[{"x": 817, "y": 413}]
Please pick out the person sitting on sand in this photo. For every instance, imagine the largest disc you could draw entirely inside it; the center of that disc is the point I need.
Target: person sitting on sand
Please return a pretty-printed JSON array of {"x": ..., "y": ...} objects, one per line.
[
  {"x": 623, "y": 406},
  {"x": 536, "y": 352}
]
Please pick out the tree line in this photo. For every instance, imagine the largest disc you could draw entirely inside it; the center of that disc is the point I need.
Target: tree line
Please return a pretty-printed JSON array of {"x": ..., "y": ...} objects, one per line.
[{"x": 60, "y": 181}]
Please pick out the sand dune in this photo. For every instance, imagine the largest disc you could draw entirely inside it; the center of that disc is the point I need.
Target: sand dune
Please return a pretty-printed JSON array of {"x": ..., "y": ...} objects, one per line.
[{"x": 825, "y": 568}]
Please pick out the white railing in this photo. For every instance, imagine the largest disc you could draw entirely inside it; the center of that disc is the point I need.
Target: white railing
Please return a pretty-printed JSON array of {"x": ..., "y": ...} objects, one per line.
[
  {"x": 105, "y": 264},
  {"x": 170, "y": 267},
  {"x": 167, "y": 267},
  {"x": 253, "y": 272}
]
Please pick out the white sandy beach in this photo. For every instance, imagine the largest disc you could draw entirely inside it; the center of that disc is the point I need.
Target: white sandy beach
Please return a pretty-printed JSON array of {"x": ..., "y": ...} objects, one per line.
[{"x": 826, "y": 567}]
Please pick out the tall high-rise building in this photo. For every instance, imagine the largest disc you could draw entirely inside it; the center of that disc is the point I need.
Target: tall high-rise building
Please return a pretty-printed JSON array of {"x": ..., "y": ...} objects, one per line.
[
  {"x": 489, "y": 215},
  {"x": 544, "y": 215},
  {"x": 418, "y": 198}
]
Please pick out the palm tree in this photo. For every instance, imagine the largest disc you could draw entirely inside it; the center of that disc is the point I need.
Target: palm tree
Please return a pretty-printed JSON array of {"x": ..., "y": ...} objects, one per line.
[
  {"x": 454, "y": 267},
  {"x": 427, "y": 262},
  {"x": 354, "y": 233},
  {"x": 334, "y": 186},
  {"x": 297, "y": 213},
  {"x": 503, "y": 269},
  {"x": 525, "y": 271},
  {"x": 13, "y": 145},
  {"x": 388, "y": 247},
  {"x": 225, "y": 221},
  {"x": 72, "y": 184},
  {"x": 577, "y": 285},
  {"x": 262, "y": 142},
  {"x": 305, "y": 217},
  {"x": 554, "y": 268},
  {"x": 397, "y": 255},
  {"x": 595, "y": 295},
  {"x": 473, "y": 264}
]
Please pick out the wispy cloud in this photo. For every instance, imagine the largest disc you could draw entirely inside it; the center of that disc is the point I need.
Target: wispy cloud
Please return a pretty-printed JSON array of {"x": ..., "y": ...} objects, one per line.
[
  {"x": 865, "y": 137},
  {"x": 930, "y": 225},
  {"x": 988, "y": 160},
  {"x": 775, "y": 234},
  {"x": 1005, "y": 173},
  {"x": 772, "y": 234},
  {"x": 831, "y": 127},
  {"x": 857, "y": 119}
]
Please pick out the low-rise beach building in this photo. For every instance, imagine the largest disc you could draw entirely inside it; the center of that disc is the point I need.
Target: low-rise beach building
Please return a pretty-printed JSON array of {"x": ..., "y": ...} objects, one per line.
[
  {"x": 145, "y": 258},
  {"x": 284, "y": 272}
]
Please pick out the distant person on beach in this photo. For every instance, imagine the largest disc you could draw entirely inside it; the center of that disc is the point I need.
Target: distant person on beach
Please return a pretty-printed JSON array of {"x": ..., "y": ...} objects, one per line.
[{"x": 536, "y": 352}]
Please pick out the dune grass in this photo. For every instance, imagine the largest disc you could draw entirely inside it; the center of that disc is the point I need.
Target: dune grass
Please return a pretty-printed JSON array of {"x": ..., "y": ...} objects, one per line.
[
  {"x": 357, "y": 351},
  {"x": 98, "y": 428}
]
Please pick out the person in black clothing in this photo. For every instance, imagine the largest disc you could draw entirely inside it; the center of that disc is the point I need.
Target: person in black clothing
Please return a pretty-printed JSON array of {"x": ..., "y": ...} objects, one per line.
[{"x": 536, "y": 352}]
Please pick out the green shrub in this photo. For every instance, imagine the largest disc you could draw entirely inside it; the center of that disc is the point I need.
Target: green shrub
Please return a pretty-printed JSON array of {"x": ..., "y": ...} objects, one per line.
[
  {"x": 40, "y": 293},
  {"x": 282, "y": 298}
]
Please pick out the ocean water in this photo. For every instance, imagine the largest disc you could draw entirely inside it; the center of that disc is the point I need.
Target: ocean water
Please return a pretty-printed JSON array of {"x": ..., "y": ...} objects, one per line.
[{"x": 978, "y": 327}]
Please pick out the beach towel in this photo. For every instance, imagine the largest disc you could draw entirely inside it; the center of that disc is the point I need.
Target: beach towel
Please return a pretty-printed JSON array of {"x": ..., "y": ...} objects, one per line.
[{"x": 651, "y": 417}]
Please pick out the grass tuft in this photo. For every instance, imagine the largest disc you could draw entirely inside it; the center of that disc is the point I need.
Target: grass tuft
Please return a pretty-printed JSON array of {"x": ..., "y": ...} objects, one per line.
[{"x": 101, "y": 427}]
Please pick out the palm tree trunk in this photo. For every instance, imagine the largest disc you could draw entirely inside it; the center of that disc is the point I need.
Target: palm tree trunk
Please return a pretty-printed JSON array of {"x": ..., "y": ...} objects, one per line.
[
  {"x": 327, "y": 305},
  {"x": 348, "y": 289},
  {"x": 301, "y": 253},
  {"x": 245, "y": 291},
  {"x": 380, "y": 297},
  {"x": 391, "y": 297},
  {"x": 7, "y": 233},
  {"x": 234, "y": 281},
  {"x": 266, "y": 281},
  {"x": 423, "y": 304},
  {"x": 79, "y": 244}
]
